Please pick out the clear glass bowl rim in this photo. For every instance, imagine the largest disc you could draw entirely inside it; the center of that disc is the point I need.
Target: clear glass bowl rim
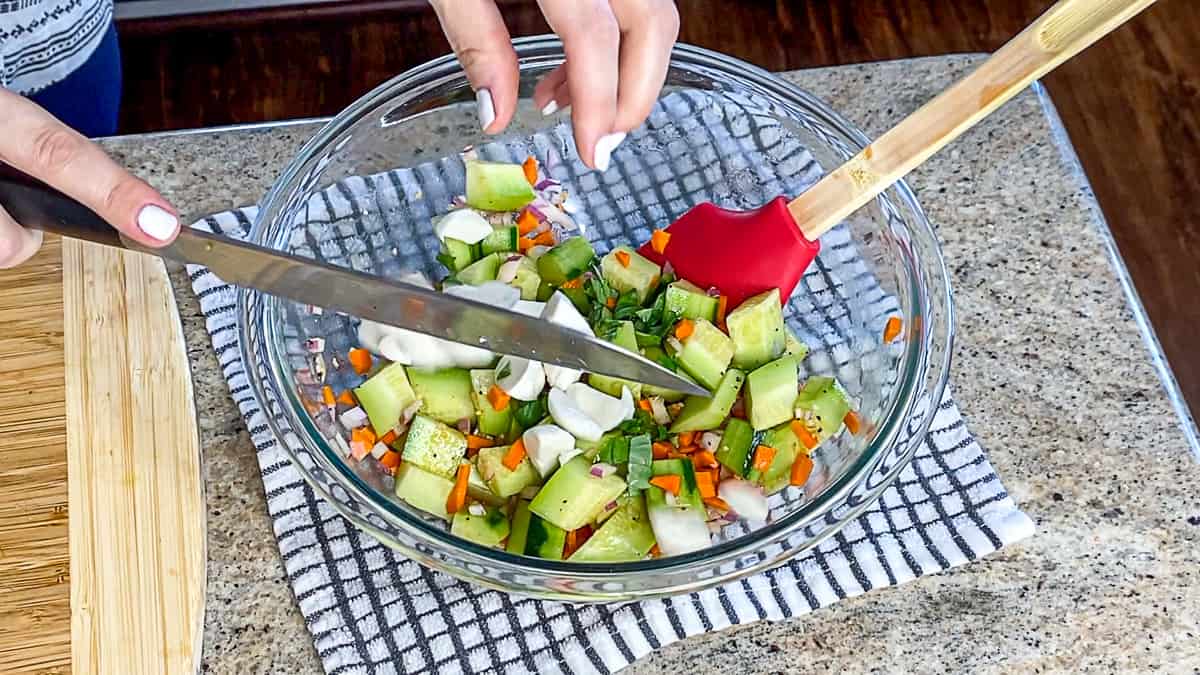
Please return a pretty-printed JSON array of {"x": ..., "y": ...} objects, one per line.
[{"x": 536, "y": 52}]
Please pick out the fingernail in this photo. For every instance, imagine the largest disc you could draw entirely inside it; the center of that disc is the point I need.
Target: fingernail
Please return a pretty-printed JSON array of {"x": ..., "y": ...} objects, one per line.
[
  {"x": 157, "y": 222},
  {"x": 605, "y": 147},
  {"x": 550, "y": 108},
  {"x": 485, "y": 108}
]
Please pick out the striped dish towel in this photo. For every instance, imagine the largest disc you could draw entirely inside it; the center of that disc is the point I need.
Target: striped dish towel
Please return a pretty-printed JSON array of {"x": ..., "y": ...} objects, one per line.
[{"x": 371, "y": 610}]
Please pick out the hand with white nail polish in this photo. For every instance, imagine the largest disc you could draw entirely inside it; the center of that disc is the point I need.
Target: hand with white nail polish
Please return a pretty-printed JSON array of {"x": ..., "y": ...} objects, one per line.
[
  {"x": 35, "y": 142},
  {"x": 617, "y": 54}
]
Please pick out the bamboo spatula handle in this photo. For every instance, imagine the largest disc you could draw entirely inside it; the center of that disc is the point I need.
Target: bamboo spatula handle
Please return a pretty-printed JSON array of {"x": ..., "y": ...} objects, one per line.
[{"x": 1063, "y": 31}]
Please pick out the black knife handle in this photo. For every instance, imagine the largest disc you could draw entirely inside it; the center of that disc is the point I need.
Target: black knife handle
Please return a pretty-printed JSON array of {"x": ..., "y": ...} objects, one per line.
[{"x": 36, "y": 205}]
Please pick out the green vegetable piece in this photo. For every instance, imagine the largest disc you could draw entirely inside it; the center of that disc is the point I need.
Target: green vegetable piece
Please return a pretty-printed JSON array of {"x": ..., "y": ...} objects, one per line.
[
  {"x": 624, "y": 337},
  {"x": 423, "y": 490},
  {"x": 689, "y": 492},
  {"x": 497, "y": 186},
  {"x": 456, "y": 255},
  {"x": 503, "y": 481},
  {"x": 825, "y": 402},
  {"x": 488, "y": 530},
  {"x": 614, "y": 450},
  {"x": 528, "y": 413},
  {"x": 533, "y": 536},
  {"x": 701, "y": 414},
  {"x": 706, "y": 354},
  {"x": 757, "y": 329},
  {"x": 489, "y": 420},
  {"x": 641, "y": 276},
  {"x": 385, "y": 396},
  {"x": 656, "y": 354},
  {"x": 626, "y": 535},
  {"x": 573, "y": 496},
  {"x": 434, "y": 447},
  {"x": 770, "y": 393},
  {"x": 786, "y": 445},
  {"x": 527, "y": 280},
  {"x": 794, "y": 347},
  {"x": 640, "y": 458},
  {"x": 689, "y": 301},
  {"x": 445, "y": 393},
  {"x": 734, "y": 452},
  {"x": 481, "y": 270},
  {"x": 478, "y": 489},
  {"x": 501, "y": 240},
  {"x": 566, "y": 261}
]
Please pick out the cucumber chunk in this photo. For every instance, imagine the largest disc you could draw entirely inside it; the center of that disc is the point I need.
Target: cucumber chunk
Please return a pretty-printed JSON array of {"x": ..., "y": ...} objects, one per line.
[
  {"x": 528, "y": 281},
  {"x": 793, "y": 346},
  {"x": 423, "y": 490},
  {"x": 534, "y": 536},
  {"x": 706, "y": 354},
  {"x": 689, "y": 491},
  {"x": 478, "y": 489},
  {"x": 497, "y": 186},
  {"x": 566, "y": 261},
  {"x": 656, "y": 354},
  {"x": 779, "y": 474},
  {"x": 641, "y": 276},
  {"x": 824, "y": 403},
  {"x": 503, "y": 481},
  {"x": 573, "y": 496},
  {"x": 489, "y": 529},
  {"x": 456, "y": 255},
  {"x": 434, "y": 447},
  {"x": 501, "y": 240},
  {"x": 689, "y": 301},
  {"x": 757, "y": 329},
  {"x": 481, "y": 270},
  {"x": 384, "y": 396},
  {"x": 625, "y": 535},
  {"x": 625, "y": 337},
  {"x": 701, "y": 414},
  {"x": 734, "y": 452},
  {"x": 488, "y": 420},
  {"x": 770, "y": 393},
  {"x": 445, "y": 393}
]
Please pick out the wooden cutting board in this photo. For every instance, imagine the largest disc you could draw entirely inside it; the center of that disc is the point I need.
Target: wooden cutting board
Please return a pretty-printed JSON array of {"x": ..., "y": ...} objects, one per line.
[{"x": 102, "y": 558}]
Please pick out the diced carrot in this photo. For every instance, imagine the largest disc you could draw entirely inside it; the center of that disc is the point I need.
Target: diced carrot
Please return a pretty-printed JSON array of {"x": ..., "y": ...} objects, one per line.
[
  {"x": 703, "y": 459},
  {"x": 661, "y": 449},
  {"x": 716, "y": 503},
  {"x": 806, "y": 437},
  {"x": 611, "y": 302},
  {"x": 686, "y": 438},
  {"x": 704, "y": 482},
  {"x": 622, "y": 257},
  {"x": 892, "y": 330},
  {"x": 577, "y": 282},
  {"x": 360, "y": 360},
  {"x": 722, "y": 304},
  {"x": 530, "y": 168},
  {"x": 684, "y": 329},
  {"x": 327, "y": 396},
  {"x": 644, "y": 404},
  {"x": 388, "y": 438},
  {"x": 527, "y": 222},
  {"x": 476, "y": 442},
  {"x": 688, "y": 449},
  {"x": 658, "y": 241},
  {"x": 524, "y": 244},
  {"x": 498, "y": 398},
  {"x": 458, "y": 495},
  {"x": 668, "y": 482},
  {"x": 390, "y": 459},
  {"x": 764, "y": 455},
  {"x": 801, "y": 469},
  {"x": 569, "y": 545},
  {"x": 655, "y": 551},
  {"x": 516, "y": 453},
  {"x": 545, "y": 238},
  {"x": 346, "y": 398},
  {"x": 365, "y": 435},
  {"x": 853, "y": 423}
]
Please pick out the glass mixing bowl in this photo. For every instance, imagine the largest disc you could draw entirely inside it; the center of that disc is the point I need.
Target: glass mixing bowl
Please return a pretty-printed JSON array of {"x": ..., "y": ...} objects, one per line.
[{"x": 361, "y": 192}]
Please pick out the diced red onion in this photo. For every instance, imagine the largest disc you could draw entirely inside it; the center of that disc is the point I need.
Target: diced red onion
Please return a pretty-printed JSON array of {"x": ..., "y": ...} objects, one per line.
[
  {"x": 545, "y": 183},
  {"x": 530, "y": 492},
  {"x": 314, "y": 345},
  {"x": 729, "y": 516},
  {"x": 710, "y": 440},
  {"x": 713, "y": 292},
  {"x": 553, "y": 214},
  {"x": 739, "y": 407},
  {"x": 537, "y": 213},
  {"x": 611, "y": 506},
  {"x": 304, "y": 376},
  {"x": 514, "y": 257},
  {"x": 658, "y": 410},
  {"x": 379, "y": 450},
  {"x": 668, "y": 269},
  {"x": 464, "y": 425},
  {"x": 603, "y": 470},
  {"x": 410, "y": 411},
  {"x": 477, "y": 509},
  {"x": 353, "y": 418},
  {"x": 508, "y": 271}
]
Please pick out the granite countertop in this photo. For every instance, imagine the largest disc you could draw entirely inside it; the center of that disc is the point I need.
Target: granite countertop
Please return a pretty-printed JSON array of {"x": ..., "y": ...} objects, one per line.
[{"x": 1050, "y": 369}]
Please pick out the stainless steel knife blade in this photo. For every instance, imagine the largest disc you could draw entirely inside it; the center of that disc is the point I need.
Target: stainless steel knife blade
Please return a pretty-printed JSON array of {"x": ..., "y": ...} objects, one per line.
[{"x": 410, "y": 306}]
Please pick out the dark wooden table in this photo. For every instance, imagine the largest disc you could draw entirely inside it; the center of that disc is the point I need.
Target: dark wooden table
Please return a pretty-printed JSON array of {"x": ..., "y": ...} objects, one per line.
[{"x": 1130, "y": 103}]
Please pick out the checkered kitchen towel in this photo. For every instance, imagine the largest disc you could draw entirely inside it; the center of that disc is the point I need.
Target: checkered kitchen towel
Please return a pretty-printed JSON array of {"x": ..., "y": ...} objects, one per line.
[{"x": 371, "y": 610}]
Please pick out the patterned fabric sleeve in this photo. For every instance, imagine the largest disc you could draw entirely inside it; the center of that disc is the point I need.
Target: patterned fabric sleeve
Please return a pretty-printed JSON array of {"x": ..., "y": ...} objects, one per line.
[{"x": 44, "y": 41}]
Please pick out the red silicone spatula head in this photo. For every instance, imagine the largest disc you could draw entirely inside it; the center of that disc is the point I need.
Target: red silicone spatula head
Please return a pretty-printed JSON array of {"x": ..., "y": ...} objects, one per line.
[{"x": 741, "y": 253}]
